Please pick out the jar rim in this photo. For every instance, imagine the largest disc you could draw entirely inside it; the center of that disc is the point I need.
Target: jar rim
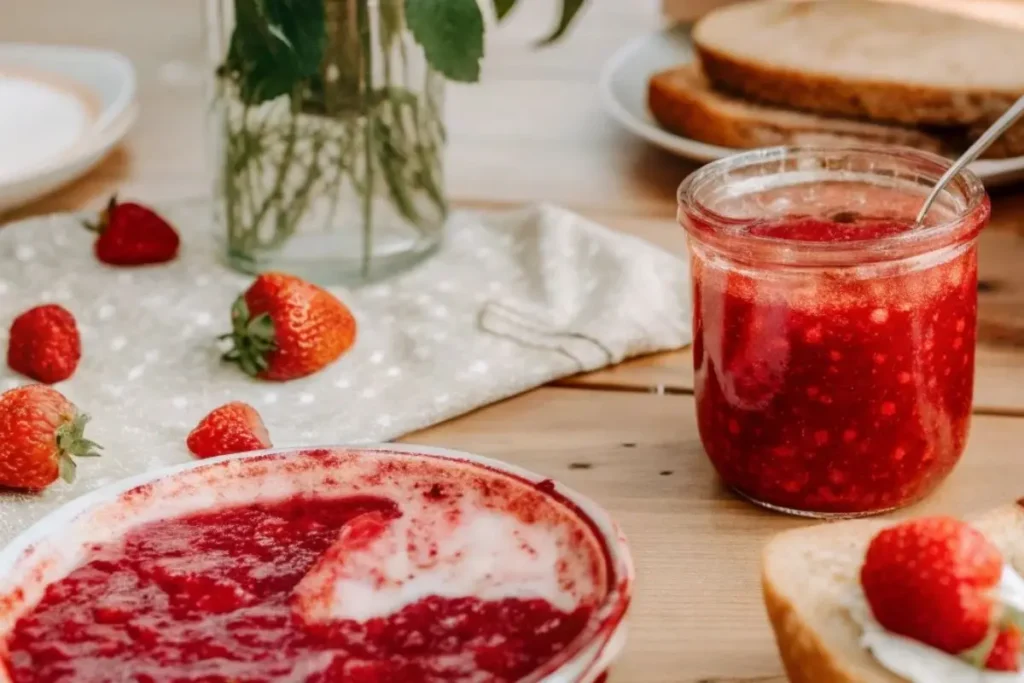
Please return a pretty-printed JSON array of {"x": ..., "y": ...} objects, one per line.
[{"x": 970, "y": 216}]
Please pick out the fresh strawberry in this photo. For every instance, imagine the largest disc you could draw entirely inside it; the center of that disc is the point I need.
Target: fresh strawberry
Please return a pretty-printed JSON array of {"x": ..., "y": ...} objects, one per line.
[
  {"x": 44, "y": 344},
  {"x": 1005, "y": 653},
  {"x": 40, "y": 432},
  {"x": 131, "y": 234},
  {"x": 934, "y": 580},
  {"x": 233, "y": 428},
  {"x": 285, "y": 328}
]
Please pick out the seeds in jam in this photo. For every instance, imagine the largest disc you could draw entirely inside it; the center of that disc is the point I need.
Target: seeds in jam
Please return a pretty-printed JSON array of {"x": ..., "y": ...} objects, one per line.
[
  {"x": 207, "y": 598},
  {"x": 833, "y": 393}
]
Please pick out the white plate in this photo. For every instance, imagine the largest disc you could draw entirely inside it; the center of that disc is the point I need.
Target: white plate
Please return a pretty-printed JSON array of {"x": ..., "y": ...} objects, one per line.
[
  {"x": 61, "y": 110},
  {"x": 623, "y": 89}
]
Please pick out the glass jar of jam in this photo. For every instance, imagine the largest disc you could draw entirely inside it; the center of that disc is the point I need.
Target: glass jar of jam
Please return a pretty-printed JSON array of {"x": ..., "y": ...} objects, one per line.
[{"x": 833, "y": 338}]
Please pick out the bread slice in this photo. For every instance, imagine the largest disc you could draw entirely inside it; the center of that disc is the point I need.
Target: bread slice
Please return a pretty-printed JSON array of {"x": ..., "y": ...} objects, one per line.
[
  {"x": 882, "y": 61},
  {"x": 807, "y": 575},
  {"x": 683, "y": 101}
]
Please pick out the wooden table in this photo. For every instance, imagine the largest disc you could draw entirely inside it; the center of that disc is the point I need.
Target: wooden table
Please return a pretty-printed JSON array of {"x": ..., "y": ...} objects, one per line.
[{"x": 534, "y": 130}]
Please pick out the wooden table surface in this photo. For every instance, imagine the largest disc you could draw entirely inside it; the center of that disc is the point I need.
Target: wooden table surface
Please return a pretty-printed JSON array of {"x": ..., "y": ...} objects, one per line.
[{"x": 534, "y": 130}]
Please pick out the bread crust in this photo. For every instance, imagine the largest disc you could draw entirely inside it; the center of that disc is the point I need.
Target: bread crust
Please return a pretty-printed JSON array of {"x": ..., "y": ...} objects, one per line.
[
  {"x": 682, "y": 102},
  {"x": 804, "y": 656},
  {"x": 857, "y": 98}
]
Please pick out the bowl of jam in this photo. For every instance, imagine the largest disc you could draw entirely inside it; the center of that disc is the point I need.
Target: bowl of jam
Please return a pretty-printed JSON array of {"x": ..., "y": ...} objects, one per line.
[
  {"x": 834, "y": 337},
  {"x": 396, "y": 564}
]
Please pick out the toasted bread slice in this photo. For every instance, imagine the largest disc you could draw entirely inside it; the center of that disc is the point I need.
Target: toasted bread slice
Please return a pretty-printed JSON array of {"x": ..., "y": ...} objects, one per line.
[
  {"x": 882, "y": 61},
  {"x": 683, "y": 101},
  {"x": 807, "y": 575}
]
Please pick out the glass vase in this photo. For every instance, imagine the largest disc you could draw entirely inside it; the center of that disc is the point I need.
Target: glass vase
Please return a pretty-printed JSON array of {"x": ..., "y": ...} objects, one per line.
[{"x": 327, "y": 138}]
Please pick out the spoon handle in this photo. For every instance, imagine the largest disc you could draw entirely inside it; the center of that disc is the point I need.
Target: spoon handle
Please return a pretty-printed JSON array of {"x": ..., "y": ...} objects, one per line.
[{"x": 973, "y": 152}]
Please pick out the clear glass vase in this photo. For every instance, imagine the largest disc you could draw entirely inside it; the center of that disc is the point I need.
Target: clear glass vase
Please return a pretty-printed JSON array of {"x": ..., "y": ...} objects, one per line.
[{"x": 327, "y": 138}]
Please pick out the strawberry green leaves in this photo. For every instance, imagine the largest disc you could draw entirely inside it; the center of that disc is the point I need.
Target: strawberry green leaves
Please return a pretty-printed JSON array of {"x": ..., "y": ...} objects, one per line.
[
  {"x": 252, "y": 339},
  {"x": 451, "y": 33},
  {"x": 71, "y": 444}
]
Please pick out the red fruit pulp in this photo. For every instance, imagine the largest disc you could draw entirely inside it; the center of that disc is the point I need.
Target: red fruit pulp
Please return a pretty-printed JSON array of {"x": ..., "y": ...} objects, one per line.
[
  {"x": 206, "y": 598},
  {"x": 830, "y": 390}
]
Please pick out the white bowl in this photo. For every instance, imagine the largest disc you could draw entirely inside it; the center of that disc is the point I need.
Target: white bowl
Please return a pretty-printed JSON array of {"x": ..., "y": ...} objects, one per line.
[{"x": 55, "y": 545}]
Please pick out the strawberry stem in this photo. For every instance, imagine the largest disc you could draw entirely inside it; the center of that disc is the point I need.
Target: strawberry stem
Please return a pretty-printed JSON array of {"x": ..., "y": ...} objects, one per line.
[
  {"x": 71, "y": 443},
  {"x": 253, "y": 339},
  {"x": 104, "y": 218}
]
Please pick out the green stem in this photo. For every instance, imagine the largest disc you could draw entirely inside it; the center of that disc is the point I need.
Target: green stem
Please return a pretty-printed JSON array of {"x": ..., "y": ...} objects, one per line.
[
  {"x": 369, "y": 131},
  {"x": 290, "y": 214},
  {"x": 342, "y": 168},
  {"x": 283, "y": 168}
]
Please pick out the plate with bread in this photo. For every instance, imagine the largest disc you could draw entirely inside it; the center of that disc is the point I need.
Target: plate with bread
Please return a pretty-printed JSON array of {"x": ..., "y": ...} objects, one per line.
[{"x": 762, "y": 73}]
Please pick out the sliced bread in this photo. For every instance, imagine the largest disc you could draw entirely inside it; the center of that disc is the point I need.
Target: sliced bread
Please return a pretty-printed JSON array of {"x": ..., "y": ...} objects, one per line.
[
  {"x": 683, "y": 101},
  {"x": 864, "y": 59},
  {"x": 807, "y": 575}
]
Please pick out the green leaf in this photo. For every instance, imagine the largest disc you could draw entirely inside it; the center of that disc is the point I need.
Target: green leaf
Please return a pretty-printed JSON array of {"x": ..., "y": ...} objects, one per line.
[
  {"x": 503, "y": 7},
  {"x": 261, "y": 329},
  {"x": 451, "y": 33},
  {"x": 570, "y": 8},
  {"x": 66, "y": 468},
  {"x": 276, "y": 45}
]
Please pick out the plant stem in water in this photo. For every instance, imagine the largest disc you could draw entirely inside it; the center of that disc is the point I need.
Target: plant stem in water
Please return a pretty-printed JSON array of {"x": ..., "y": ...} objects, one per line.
[{"x": 369, "y": 131}]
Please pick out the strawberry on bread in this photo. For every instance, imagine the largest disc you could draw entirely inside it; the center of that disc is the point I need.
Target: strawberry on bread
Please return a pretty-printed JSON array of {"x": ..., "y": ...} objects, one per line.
[
  {"x": 935, "y": 580},
  {"x": 868, "y": 601}
]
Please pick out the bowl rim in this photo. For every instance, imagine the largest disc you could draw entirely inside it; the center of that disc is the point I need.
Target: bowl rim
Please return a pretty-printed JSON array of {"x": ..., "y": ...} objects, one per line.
[{"x": 586, "y": 650}]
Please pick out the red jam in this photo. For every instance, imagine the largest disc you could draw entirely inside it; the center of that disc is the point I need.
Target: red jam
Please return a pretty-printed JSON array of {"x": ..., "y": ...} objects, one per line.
[
  {"x": 207, "y": 598},
  {"x": 834, "y": 390}
]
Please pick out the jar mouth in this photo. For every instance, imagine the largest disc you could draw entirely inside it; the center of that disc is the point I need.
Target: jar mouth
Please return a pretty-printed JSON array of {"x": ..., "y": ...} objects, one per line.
[{"x": 705, "y": 196}]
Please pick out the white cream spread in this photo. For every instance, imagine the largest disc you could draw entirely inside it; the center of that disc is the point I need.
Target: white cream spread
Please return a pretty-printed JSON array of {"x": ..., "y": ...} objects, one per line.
[
  {"x": 920, "y": 663},
  {"x": 453, "y": 549}
]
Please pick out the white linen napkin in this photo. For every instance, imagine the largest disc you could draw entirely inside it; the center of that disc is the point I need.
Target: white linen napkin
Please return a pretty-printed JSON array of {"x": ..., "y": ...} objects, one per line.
[{"x": 511, "y": 301}]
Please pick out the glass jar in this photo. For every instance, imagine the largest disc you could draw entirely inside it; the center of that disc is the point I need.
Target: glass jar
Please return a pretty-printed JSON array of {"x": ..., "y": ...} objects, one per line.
[
  {"x": 833, "y": 339},
  {"x": 327, "y": 139}
]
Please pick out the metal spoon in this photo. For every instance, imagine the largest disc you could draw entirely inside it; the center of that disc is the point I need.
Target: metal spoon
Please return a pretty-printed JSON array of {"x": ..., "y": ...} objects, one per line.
[{"x": 973, "y": 152}]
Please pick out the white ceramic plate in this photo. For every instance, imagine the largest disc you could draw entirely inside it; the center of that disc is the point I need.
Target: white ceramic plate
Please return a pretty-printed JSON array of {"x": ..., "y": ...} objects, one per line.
[
  {"x": 623, "y": 87},
  {"x": 61, "y": 110}
]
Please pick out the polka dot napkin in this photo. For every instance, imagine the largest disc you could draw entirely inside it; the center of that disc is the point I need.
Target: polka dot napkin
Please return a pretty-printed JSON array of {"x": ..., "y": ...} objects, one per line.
[{"x": 511, "y": 301}]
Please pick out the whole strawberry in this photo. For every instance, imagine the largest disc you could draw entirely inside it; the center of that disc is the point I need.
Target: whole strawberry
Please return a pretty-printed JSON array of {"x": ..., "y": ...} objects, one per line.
[
  {"x": 934, "y": 580},
  {"x": 40, "y": 434},
  {"x": 284, "y": 328},
  {"x": 44, "y": 344},
  {"x": 131, "y": 235},
  {"x": 232, "y": 428}
]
